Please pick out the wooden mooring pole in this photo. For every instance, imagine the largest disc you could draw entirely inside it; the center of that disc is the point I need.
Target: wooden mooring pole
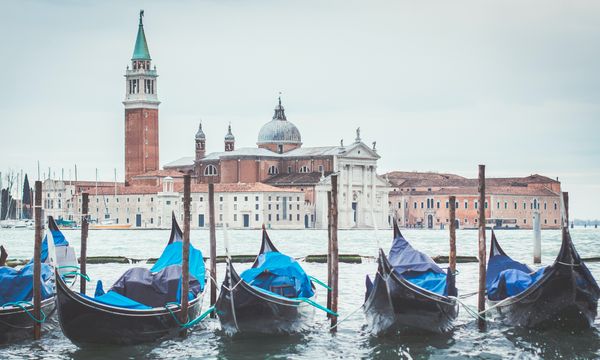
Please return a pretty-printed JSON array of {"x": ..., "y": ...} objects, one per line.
[
  {"x": 85, "y": 225},
  {"x": 37, "y": 263},
  {"x": 334, "y": 250},
  {"x": 452, "y": 257},
  {"x": 185, "y": 256},
  {"x": 482, "y": 251},
  {"x": 213, "y": 246}
]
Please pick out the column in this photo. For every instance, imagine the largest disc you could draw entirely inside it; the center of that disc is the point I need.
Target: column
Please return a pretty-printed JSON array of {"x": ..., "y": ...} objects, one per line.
[
  {"x": 349, "y": 197},
  {"x": 363, "y": 207},
  {"x": 373, "y": 193}
]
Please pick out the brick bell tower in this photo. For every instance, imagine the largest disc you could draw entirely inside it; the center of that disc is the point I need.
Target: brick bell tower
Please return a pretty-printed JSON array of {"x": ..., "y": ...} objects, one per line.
[{"x": 141, "y": 111}]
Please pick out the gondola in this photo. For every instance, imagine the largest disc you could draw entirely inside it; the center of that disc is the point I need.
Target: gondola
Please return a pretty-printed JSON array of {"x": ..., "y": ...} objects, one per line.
[
  {"x": 16, "y": 288},
  {"x": 142, "y": 306},
  {"x": 274, "y": 296},
  {"x": 410, "y": 293},
  {"x": 564, "y": 294}
]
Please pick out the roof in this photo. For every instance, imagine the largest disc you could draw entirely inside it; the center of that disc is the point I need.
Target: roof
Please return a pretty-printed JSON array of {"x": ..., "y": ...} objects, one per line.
[
  {"x": 159, "y": 173},
  {"x": 420, "y": 179},
  {"x": 140, "y": 50},
  {"x": 311, "y": 178},
  {"x": 200, "y": 134},
  {"x": 181, "y": 162},
  {"x": 196, "y": 188},
  {"x": 493, "y": 190}
]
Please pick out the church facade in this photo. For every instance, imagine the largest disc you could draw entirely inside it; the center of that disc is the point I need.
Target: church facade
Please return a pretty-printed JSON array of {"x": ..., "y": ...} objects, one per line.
[{"x": 280, "y": 160}]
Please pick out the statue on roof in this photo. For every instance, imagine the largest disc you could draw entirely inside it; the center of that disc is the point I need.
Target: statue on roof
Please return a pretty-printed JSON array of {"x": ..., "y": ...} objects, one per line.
[{"x": 358, "y": 134}]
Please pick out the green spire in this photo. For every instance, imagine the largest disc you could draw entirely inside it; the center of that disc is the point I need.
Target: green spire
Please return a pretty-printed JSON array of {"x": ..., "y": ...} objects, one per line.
[{"x": 140, "y": 52}]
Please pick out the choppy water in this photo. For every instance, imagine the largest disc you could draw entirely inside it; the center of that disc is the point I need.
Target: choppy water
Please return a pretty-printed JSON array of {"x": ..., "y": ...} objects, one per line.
[{"x": 351, "y": 341}]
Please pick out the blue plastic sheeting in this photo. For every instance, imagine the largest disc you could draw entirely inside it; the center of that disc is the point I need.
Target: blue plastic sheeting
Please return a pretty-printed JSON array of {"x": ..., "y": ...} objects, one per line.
[
  {"x": 403, "y": 258},
  {"x": 512, "y": 282},
  {"x": 499, "y": 263},
  {"x": 280, "y": 274},
  {"x": 17, "y": 285},
  {"x": 173, "y": 255},
  {"x": 429, "y": 280},
  {"x": 113, "y": 298}
]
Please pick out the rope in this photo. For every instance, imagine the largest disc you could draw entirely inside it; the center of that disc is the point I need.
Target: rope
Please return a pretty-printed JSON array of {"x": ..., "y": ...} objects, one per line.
[
  {"x": 190, "y": 323},
  {"x": 233, "y": 288},
  {"x": 318, "y": 306},
  {"x": 346, "y": 317},
  {"x": 468, "y": 309},
  {"x": 67, "y": 267},
  {"x": 20, "y": 305},
  {"x": 567, "y": 264},
  {"x": 319, "y": 282},
  {"x": 464, "y": 296},
  {"x": 87, "y": 278}
]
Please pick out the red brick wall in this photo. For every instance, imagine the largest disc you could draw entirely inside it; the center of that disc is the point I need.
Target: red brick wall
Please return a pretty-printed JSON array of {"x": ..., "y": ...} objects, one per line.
[{"x": 141, "y": 141}]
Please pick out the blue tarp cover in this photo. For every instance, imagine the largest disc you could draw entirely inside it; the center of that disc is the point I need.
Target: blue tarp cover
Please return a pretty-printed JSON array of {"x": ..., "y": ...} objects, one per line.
[
  {"x": 17, "y": 285},
  {"x": 113, "y": 298},
  {"x": 280, "y": 274},
  {"x": 142, "y": 288},
  {"x": 507, "y": 277},
  {"x": 59, "y": 240},
  {"x": 172, "y": 255},
  {"x": 416, "y": 267},
  {"x": 404, "y": 258},
  {"x": 432, "y": 281}
]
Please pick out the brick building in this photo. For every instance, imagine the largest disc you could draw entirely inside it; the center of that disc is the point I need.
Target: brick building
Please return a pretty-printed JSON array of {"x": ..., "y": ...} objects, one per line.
[{"x": 421, "y": 200}]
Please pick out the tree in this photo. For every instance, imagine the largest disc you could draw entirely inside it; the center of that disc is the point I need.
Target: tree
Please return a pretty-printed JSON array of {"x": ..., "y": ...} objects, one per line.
[{"x": 27, "y": 200}]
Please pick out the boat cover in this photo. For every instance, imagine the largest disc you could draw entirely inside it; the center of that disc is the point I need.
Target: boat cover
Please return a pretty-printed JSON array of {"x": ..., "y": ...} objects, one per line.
[
  {"x": 154, "y": 289},
  {"x": 173, "y": 255},
  {"x": 17, "y": 285},
  {"x": 280, "y": 274},
  {"x": 142, "y": 288},
  {"x": 507, "y": 277},
  {"x": 416, "y": 267},
  {"x": 404, "y": 258},
  {"x": 432, "y": 281}
]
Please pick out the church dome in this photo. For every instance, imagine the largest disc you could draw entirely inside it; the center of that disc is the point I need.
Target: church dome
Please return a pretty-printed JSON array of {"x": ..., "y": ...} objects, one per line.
[{"x": 279, "y": 130}]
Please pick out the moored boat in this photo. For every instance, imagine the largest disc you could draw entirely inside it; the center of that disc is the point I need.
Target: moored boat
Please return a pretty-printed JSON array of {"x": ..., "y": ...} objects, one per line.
[
  {"x": 409, "y": 293},
  {"x": 564, "y": 294},
  {"x": 142, "y": 306},
  {"x": 16, "y": 288},
  {"x": 274, "y": 296}
]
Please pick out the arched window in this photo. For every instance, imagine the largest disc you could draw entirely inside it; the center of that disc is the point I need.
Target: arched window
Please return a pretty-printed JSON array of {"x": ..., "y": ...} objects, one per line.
[
  {"x": 210, "y": 170},
  {"x": 304, "y": 169},
  {"x": 273, "y": 170}
]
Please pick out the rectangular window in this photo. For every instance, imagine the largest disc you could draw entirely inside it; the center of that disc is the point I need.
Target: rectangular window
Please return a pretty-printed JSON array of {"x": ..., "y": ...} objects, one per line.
[
  {"x": 466, "y": 204},
  {"x": 486, "y": 204},
  {"x": 421, "y": 204},
  {"x": 269, "y": 206},
  {"x": 447, "y": 204},
  {"x": 256, "y": 198},
  {"x": 234, "y": 217},
  {"x": 399, "y": 205},
  {"x": 457, "y": 204},
  {"x": 277, "y": 217},
  {"x": 235, "y": 198},
  {"x": 245, "y": 198},
  {"x": 220, "y": 198},
  {"x": 289, "y": 169},
  {"x": 298, "y": 217},
  {"x": 505, "y": 205},
  {"x": 269, "y": 217},
  {"x": 524, "y": 206},
  {"x": 256, "y": 217},
  {"x": 221, "y": 217},
  {"x": 554, "y": 206},
  {"x": 438, "y": 204},
  {"x": 515, "y": 205},
  {"x": 545, "y": 206},
  {"x": 498, "y": 205},
  {"x": 415, "y": 204},
  {"x": 256, "y": 206}
]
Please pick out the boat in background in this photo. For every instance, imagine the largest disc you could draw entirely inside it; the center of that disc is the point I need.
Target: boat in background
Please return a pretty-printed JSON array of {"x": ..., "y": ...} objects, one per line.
[
  {"x": 109, "y": 225},
  {"x": 564, "y": 294}
]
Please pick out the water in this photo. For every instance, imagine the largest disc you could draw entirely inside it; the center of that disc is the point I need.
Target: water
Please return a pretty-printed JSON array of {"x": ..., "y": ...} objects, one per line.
[{"x": 351, "y": 341}]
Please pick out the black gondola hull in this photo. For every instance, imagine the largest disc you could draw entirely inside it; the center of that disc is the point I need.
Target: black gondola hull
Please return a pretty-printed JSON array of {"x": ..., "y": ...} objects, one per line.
[
  {"x": 87, "y": 322},
  {"x": 246, "y": 309},
  {"x": 394, "y": 305},
  {"x": 556, "y": 301},
  {"x": 16, "y": 324}
]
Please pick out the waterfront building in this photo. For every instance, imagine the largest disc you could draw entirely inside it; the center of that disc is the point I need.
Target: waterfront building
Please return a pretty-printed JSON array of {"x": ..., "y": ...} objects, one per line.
[
  {"x": 421, "y": 200},
  {"x": 241, "y": 205}
]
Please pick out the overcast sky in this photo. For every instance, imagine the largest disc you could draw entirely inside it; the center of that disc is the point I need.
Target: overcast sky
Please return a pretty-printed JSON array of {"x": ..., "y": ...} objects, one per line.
[{"x": 440, "y": 85}]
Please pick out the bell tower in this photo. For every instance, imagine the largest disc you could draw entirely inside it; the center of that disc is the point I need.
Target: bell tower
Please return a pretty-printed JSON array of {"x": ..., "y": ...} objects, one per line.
[
  {"x": 229, "y": 140},
  {"x": 141, "y": 110}
]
